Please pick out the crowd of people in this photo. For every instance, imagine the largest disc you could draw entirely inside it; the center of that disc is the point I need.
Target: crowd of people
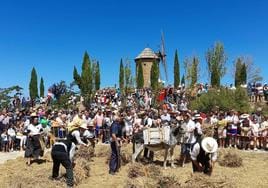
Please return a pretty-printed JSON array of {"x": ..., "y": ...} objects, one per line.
[
  {"x": 116, "y": 119},
  {"x": 230, "y": 128}
]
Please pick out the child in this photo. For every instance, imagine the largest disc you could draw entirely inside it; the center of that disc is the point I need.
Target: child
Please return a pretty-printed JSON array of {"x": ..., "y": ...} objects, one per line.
[
  {"x": 11, "y": 137},
  {"x": 4, "y": 140}
]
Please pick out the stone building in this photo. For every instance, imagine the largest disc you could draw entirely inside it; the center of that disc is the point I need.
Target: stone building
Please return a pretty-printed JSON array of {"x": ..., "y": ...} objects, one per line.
[{"x": 147, "y": 57}]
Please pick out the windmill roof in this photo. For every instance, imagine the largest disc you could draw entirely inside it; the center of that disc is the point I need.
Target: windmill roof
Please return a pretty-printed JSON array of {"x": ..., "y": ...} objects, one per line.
[{"x": 147, "y": 53}]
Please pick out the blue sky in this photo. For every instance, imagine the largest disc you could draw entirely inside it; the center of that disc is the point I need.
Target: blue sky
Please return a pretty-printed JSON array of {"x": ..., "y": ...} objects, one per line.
[{"x": 53, "y": 35}]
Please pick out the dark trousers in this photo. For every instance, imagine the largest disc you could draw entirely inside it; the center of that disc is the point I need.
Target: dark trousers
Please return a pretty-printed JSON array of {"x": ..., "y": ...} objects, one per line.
[
  {"x": 151, "y": 154},
  {"x": 114, "y": 164},
  {"x": 205, "y": 164},
  {"x": 62, "y": 158}
]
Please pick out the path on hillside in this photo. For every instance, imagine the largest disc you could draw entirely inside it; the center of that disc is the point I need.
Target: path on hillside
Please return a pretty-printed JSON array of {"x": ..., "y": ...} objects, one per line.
[{"x": 10, "y": 155}]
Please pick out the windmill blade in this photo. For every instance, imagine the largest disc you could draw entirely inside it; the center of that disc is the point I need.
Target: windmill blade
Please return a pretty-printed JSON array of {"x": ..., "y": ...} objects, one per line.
[{"x": 163, "y": 55}]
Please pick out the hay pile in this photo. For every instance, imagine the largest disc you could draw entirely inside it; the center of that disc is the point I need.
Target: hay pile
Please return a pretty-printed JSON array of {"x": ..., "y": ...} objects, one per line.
[
  {"x": 230, "y": 159},
  {"x": 81, "y": 170},
  {"x": 153, "y": 171},
  {"x": 82, "y": 166},
  {"x": 168, "y": 182},
  {"x": 139, "y": 170},
  {"x": 201, "y": 180},
  {"x": 103, "y": 152},
  {"x": 208, "y": 130},
  {"x": 136, "y": 170},
  {"x": 125, "y": 156},
  {"x": 86, "y": 153}
]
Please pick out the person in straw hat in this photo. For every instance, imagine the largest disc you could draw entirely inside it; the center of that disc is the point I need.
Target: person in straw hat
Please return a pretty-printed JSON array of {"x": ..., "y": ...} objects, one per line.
[
  {"x": 245, "y": 131},
  {"x": 204, "y": 155},
  {"x": 76, "y": 129},
  {"x": 33, "y": 145},
  {"x": 89, "y": 134}
]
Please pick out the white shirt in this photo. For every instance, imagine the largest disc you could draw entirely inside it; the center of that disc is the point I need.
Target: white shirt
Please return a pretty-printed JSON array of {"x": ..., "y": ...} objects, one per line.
[
  {"x": 198, "y": 127},
  {"x": 76, "y": 134},
  {"x": 11, "y": 132},
  {"x": 149, "y": 122},
  {"x": 88, "y": 134},
  {"x": 34, "y": 130},
  {"x": 190, "y": 127},
  {"x": 129, "y": 121},
  {"x": 196, "y": 150},
  {"x": 165, "y": 117},
  {"x": 213, "y": 120},
  {"x": 255, "y": 127}
]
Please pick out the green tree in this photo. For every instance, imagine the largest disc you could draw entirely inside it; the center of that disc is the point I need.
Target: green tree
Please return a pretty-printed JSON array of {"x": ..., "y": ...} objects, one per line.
[
  {"x": 216, "y": 59},
  {"x": 140, "y": 79},
  {"x": 176, "y": 70},
  {"x": 244, "y": 74},
  {"x": 97, "y": 76},
  {"x": 128, "y": 76},
  {"x": 77, "y": 77},
  {"x": 33, "y": 86},
  {"x": 191, "y": 67},
  {"x": 154, "y": 75},
  {"x": 42, "y": 87},
  {"x": 187, "y": 63},
  {"x": 183, "y": 80},
  {"x": 194, "y": 71},
  {"x": 86, "y": 79},
  {"x": 7, "y": 94},
  {"x": 121, "y": 76},
  {"x": 238, "y": 71}
]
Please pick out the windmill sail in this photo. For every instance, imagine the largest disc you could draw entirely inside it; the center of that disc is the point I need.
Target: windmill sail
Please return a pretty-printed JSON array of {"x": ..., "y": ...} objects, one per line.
[{"x": 162, "y": 55}]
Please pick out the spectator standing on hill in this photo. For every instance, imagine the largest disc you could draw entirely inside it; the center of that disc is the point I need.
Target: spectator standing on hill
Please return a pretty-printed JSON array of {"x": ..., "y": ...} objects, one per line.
[{"x": 116, "y": 135}]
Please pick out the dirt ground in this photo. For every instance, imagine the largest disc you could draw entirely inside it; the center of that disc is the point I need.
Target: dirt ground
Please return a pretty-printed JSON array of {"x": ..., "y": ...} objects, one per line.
[{"x": 15, "y": 173}]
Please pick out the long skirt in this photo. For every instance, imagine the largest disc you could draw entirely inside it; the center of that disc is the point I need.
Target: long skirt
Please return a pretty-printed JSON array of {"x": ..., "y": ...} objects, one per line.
[{"x": 33, "y": 147}]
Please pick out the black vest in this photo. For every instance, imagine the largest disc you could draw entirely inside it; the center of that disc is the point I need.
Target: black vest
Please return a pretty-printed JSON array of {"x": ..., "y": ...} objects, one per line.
[{"x": 202, "y": 156}]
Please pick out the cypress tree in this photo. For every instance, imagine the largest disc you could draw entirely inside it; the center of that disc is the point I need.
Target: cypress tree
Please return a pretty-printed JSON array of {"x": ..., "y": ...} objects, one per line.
[
  {"x": 86, "y": 77},
  {"x": 128, "y": 76},
  {"x": 238, "y": 69},
  {"x": 243, "y": 74},
  {"x": 176, "y": 70},
  {"x": 121, "y": 76},
  {"x": 183, "y": 80},
  {"x": 154, "y": 75},
  {"x": 194, "y": 71},
  {"x": 140, "y": 79},
  {"x": 97, "y": 76},
  {"x": 33, "y": 87},
  {"x": 42, "y": 87},
  {"x": 77, "y": 77}
]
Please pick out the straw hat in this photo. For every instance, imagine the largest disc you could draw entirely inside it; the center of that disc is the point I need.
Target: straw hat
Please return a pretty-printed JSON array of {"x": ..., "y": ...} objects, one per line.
[
  {"x": 83, "y": 125},
  {"x": 244, "y": 116},
  {"x": 259, "y": 109},
  {"x": 91, "y": 124},
  {"x": 209, "y": 144},
  {"x": 33, "y": 114}
]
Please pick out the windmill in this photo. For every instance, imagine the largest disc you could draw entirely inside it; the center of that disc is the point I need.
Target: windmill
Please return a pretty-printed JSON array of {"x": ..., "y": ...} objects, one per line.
[{"x": 162, "y": 55}]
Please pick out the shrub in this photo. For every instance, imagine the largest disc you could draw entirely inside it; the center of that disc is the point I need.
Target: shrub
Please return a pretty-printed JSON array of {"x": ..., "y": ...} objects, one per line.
[{"x": 223, "y": 98}]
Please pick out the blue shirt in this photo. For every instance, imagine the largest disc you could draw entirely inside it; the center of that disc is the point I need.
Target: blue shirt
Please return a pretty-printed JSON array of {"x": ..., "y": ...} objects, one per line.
[{"x": 115, "y": 129}]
